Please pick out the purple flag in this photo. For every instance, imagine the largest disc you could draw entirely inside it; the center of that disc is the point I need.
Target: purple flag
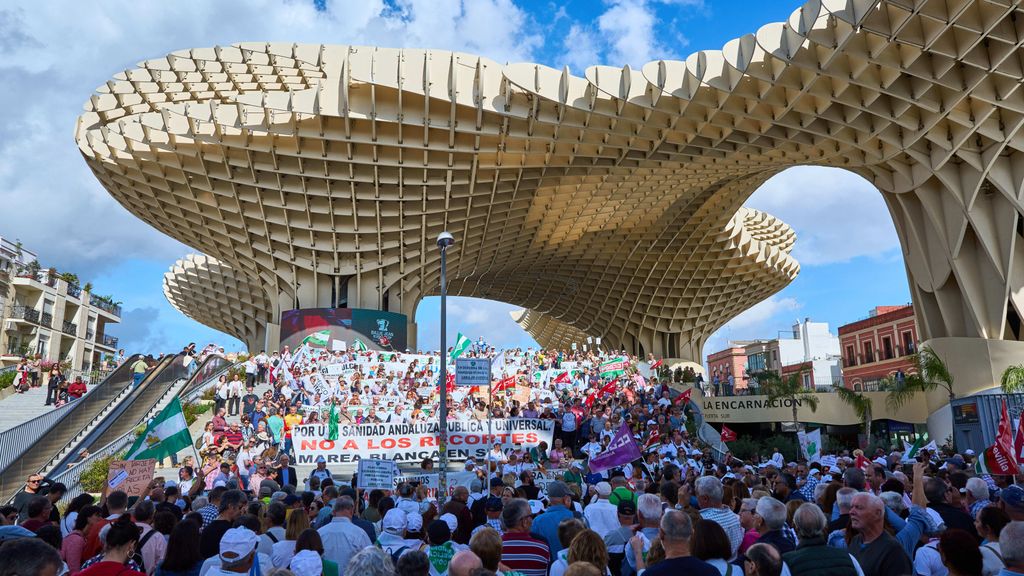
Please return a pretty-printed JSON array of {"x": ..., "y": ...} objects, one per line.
[{"x": 621, "y": 450}]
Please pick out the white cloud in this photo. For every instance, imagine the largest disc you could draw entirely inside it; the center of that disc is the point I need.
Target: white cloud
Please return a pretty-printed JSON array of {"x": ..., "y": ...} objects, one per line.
[
  {"x": 54, "y": 54},
  {"x": 629, "y": 28},
  {"x": 763, "y": 320},
  {"x": 837, "y": 215},
  {"x": 582, "y": 49}
]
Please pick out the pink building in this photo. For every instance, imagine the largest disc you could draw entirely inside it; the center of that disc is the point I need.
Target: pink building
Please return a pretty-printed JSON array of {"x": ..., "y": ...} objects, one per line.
[
  {"x": 732, "y": 361},
  {"x": 878, "y": 346}
]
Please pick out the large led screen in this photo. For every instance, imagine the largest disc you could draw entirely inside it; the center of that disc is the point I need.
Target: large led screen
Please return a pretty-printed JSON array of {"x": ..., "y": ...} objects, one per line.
[{"x": 356, "y": 327}]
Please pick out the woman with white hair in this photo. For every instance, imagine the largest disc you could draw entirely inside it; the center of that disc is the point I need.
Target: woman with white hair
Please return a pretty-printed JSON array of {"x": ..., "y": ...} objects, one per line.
[{"x": 370, "y": 561}]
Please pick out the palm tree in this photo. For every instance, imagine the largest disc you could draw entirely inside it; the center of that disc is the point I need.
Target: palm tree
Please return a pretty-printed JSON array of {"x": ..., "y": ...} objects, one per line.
[
  {"x": 860, "y": 403},
  {"x": 932, "y": 374},
  {"x": 788, "y": 390},
  {"x": 1013, "y": 379}
]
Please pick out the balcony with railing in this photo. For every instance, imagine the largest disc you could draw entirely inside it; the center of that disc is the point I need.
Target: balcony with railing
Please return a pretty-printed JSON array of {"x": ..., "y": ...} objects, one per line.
[
  {"x": 70, "y": 328},
  {"x": 74, "y": 290},
  {"x": 108, "y": 341},
  {"x": 25, "y": 313},
  {"x": 46, "y": 319},
  {"x": 106, "y": 305}
]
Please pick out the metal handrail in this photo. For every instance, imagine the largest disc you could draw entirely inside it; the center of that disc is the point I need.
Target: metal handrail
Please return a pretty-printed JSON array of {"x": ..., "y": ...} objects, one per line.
[
  {"x": 70, "y": 451},
  {"x": 26, "y": 448},
  {"x": 208, "y": 373}
]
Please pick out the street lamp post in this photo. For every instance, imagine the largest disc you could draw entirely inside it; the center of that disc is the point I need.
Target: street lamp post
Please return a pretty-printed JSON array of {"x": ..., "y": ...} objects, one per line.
[{"x": 444, "y": 240}]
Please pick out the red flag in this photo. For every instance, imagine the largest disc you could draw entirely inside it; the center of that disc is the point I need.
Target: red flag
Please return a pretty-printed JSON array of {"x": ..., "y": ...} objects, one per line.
[
  {"x": 449, "y": 382},
  {"x": 657, "y": 363},
  {"x": 562, "y": 378},
  {"x": 504, "y": 384},
  {"x": 608, "y": 388},
  {"x": 727, "y": 435},
  {"x": 999, "y": 457},
  {"x": 1018, "y": 442},
  {"x": 684, "y": 398},
  {"x": 589, "y": 400}
]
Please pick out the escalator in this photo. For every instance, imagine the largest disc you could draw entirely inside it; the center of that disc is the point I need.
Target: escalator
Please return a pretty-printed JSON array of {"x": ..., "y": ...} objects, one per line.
[
  {"x": 116, "y": 430},
  {"x": 26, "y": 449}
]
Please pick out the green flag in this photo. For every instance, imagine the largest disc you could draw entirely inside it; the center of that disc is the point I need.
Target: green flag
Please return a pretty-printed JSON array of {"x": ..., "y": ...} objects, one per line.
[
  {"x": 359, "y": 345},
  {"x": 461, "y": 345},
  {"x": 166, "y": 434},
  {"x": 612, "y": 368},
  {"x": 332, "y": 423},
  {"x": 321, "y": 338}
]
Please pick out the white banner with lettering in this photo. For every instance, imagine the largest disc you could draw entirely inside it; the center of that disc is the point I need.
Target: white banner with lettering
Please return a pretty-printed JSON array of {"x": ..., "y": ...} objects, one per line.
[{"x": 414, "y": 442}]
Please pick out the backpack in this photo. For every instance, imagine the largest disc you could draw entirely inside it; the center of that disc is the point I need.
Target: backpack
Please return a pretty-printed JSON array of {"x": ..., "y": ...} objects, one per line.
[{"x": 137, "y": 557}]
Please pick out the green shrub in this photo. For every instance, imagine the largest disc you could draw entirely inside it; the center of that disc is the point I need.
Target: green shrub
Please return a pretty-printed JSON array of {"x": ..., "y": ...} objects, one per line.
[
  {"x": 7, "y": 378},
  {"x": 193, "y": 410},
  {"x": 94, "y": 476}
]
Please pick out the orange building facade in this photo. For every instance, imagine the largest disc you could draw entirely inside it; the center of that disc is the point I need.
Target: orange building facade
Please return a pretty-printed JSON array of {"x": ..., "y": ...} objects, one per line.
[{"x": 878, "y": 347}]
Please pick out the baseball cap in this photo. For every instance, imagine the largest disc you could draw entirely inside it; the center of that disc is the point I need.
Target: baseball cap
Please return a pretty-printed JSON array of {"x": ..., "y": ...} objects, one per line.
[
  {"x": 621, "y": 494},
  {"x": 557, "y": 489},
  {"x": 493, "y": 504},
  {"x": 627, "y": 508},
  {"x": 450, "y": 520},
  {"x": 236, "y": 544},
  {"x": 957, "y": 460},
  {"x": 604, "y": 489},
  {"x": 969, "y": 452},
  {"x": 395, "y": 521},
  {"x": 415, "y": 522},
  {"x": 321, "y": 460},
  {"x": 1013, "y": 496}
]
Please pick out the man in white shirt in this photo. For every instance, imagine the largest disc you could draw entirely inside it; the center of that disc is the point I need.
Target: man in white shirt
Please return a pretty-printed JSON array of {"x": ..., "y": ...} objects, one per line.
[
  {"x": 777, "y": 460},
  {"x": 341, "y": 538},
  {"x": 569, "y": 429},
  {"x": 602, "y": 516}
]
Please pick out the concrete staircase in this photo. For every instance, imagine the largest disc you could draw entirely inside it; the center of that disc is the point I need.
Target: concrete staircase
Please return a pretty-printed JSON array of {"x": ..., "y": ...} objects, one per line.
[{"x": 16, "y": 409}]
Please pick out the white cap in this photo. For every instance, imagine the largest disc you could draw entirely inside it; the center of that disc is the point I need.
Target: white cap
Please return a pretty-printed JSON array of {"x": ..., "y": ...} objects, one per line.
[
  {"x": 451, "y": 521},
  {"x": 604, "y": 489},
  {"x": 414, "y": 522},
  {"x": 236, "y": 544},
  {"x": 968, "y": 452},
  {"x": 395, "y": 522},
  {"x": 306, "y": 563}
]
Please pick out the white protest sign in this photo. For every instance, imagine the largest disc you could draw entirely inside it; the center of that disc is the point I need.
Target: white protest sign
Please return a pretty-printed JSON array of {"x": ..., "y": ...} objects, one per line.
[
  {"x": 338, "y": 346},
  {"x": 472, "y": 372},
  {"x": 376, "y": 474}
]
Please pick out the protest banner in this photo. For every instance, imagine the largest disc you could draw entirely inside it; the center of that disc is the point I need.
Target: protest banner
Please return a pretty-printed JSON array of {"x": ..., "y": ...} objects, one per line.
[
  {"x": 414, "y": 442},
  {"x": 130, "y": 476},
  {"x": 376, "y": 474}
]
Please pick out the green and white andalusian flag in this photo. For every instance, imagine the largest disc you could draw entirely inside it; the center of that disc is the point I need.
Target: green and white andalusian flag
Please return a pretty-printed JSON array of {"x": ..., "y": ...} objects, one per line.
[
  {"x": 321, "y": 338},
  {"x": 359, "y": 345},
  {"x": 612, "y": 368},
  {"x": 166, "y": 434},
  {"x": 461, "y": 345},
  {"x": 910, "y": 450}
]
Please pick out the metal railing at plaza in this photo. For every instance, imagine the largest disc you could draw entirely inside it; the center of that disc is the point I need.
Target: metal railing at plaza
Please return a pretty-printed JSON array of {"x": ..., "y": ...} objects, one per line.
[
  {"x": 26, "y": 448},
  {"x": 206, "y": 375}
]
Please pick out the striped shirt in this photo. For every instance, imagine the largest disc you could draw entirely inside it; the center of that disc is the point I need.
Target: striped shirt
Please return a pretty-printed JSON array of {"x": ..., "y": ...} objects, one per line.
[
  {"x": 729, "y": 522},
  {"x": 525, "y": 554}
]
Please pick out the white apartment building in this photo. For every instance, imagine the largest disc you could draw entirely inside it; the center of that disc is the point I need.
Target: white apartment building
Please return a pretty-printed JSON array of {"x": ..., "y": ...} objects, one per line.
[
  {"x": 807, "y": 342},
  {"x": 44, "y": 314}
]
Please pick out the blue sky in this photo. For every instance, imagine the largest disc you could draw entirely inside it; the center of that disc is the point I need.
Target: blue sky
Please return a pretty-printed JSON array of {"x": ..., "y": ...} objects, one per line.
[{"x": 57, "y": 52}]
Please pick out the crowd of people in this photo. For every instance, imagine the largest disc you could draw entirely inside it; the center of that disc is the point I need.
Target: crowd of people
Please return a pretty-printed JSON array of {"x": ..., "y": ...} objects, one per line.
[{"x": 536, "y": 511}]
